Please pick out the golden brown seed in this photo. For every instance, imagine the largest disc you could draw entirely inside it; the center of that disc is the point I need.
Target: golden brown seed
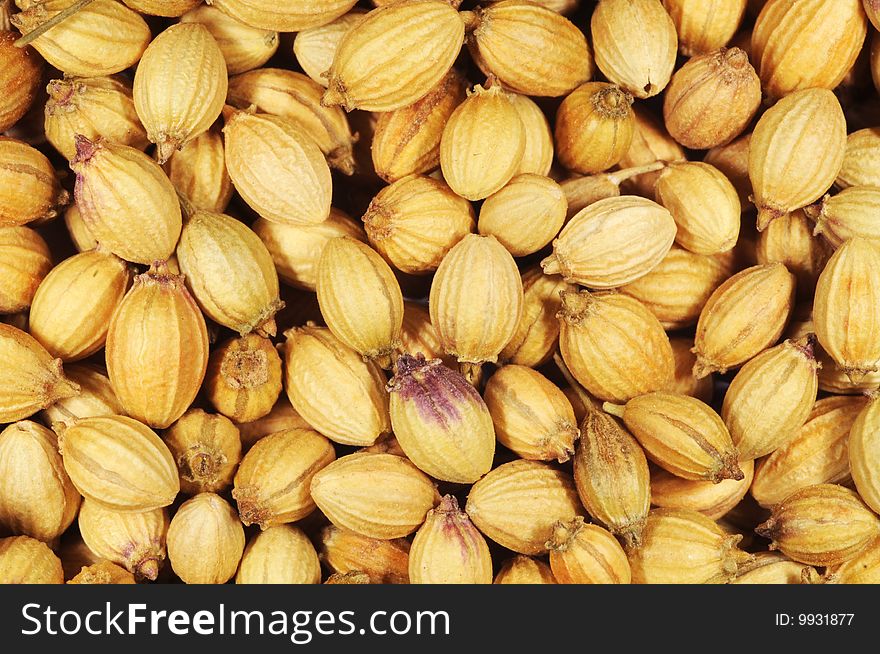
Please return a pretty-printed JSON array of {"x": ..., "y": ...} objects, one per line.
[
  {"x": 315, "y": 47},
  {"x": 102, "y": 38},
  {"x": 179, "y": 86},
  {"x": 205, "y": 540},
  {"x": 243, "y": 380},
  {"x": 418, "y": 336},
  {"x": 525, "y": 215},
  {"x": 376, "y": 495},
  {"x": 849, "y": 214},
  {"x": 683, "y": 380},
  {"x": 198, "y": 171},
  {"x": 861, "y": 159},
  {"x": 415, "y": 221},
  {"x": 771, "y": 397},
  {"x": 537, "y": 333},
  {"x": 712, "y": 99},
  {"x": 30, "y": 379},
  {"x": 168, "y": 8},
  {"x": 650, "y": 143},
  {"x": 831, "y": 379},
  {"x": 353, "y": 577},
  {"x": 531, "y": 49},
  {"x": 141, "y": 225},
  {"x": 796, "y": 152},
  {"x": 821, "y": 525},
  {"x": 29, "y": 187},
  {"x": 277, "y": 168},
  {"x": 785, "y": 37},
  {"x": 37, "y": 497},
  {"x": 711, "y": 499},
  {"x": 94, "y": 107},
  {"x": 103, "y": 573},
  {"x": 863, "y": 569},
  {"x": 135, "y": 541},
  {"x": 119, "y": 463},
  {"x": 440, "y": 420},
  {"x": 96, "y": 397},
  {"x": 79, "y": 232},
  {"x": 284, "y": 17},
  {"x": 612, "y": 242},
  {"x": 25, "y": 260},
  {"x": 524, "y": 570},
  {"x": 333, "y": 388},
  {"x": 677, "y": 289},
  {"x": 864, "y": 453},
  {"x": 532, "y": 416},
  {"x": 682, "y": 435},
  {"x": 518, "y": 503},
  {"x": 385, "y": 561},
  {"x": 789, "y": 240},
  {"x": 846, "y": 310},
  {"x": 594, "y": 127},
  {"x": 772, "y": 568},
  {"x": 635, "y": 44},
  {"x": 407, "y": 141},
  {"x": 586, "y": 554},
  {"x": 733, "y": 162},
  {"x": 280, "y": 555},
  {"x": 73, "y": 306},
  {"x": 685, "y": 547},
  {"x": 298, "y": 99},
  {"x": 476, "y": 301},
  {"x": 474, "y": 161},
  {"x": 157, "y": 349},
  {"x": 817, "y": 454},
  {"x": 244, "y": 47},
  {"x": 613, "y": 345},
  {"x": 281, "y": 417},
  {"x": 353, "y": 282},
  {"x": 704, "y": 25},
  {"x": 394, "y": 56},
  {"x": 272, "y": 482},
  {"x": 611, "y": 476},
  {"x": 743, "y": 316},
  {"x": 448, "y": 549},
  {"x": 25, "y": 560},
  {"x": 207, "y": 449},
  {"x": 20, "y": 75},
  {"x": 537, "y": 157}
]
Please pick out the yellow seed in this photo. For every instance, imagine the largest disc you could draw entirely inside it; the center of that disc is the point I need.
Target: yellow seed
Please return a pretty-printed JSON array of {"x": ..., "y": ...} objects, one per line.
[
  {"x": 796, "y": 152},
  {"x": 141, "y": 225},
  {"x": 417, "y": 335},
  {"x": 846, "y": 311},
  {"x": 685, "y": 547},
  {"x": 742, "y": 317},
  {"x": 770, "y": 398},
  {"x": 157, "y": 349},
  {"x": 537, "y": 156},
  {"x": 611, "y": 476},
  {"x": 863, "y": 569},
  {"x": 448, "y": 549},
  {"x": 733, "y": 162},
  {"x": 315, "y": 47},
  {"x": 395, "y": 55},
  {"x": 277, "y": 168},
  {"x": 635, "y": 44},
  {"x": 29, "y": 187},
  {"x": 415, "y": 221},
  {"x": 849, "y": 214},
  {"x": 25, "y": 260},
  {"x": 705, "y": 25},
  {"x": 586, "y": 554},
  {"x": 25, "y": 560},
  {"x": 37, "y": 497},
  {"x": 594, "y": 127},
  {"x": 103, "y": 573},
  {"x": 376, "y": 495},
  {"x": 119, "y": 463},
  {"x": 784, "y": 43},
  {"x": 281, "y": 417},
  {"x": 476, "y": 301},
  {"x": 650, "y": 143},
  {"x": 30, "y": 379},
  {"x": 832, "y": 379},
  {"x": 244, "y": 47},
  {"x": 524, "y": 570},
  {"x": 518, "y": 503},
  {"x": 864, "y": 453},
  {"x": 407, "y": 141},
  {"x": 474, "y": 161},
  {"x": 272, "y": 482},
  {"x": 531, "y": 49},
  {"x": 822, "y": 525},
  {"x": 789, "y": 240},
  {"x": 861, "y": 159},
  {"x": 20, "y": 76},
  {"x": 385, "y": 561},
  {"x": 692, "y": 192},
  {"x": 772, "y": 568},
  {"x": 168, "y": 8},
  {"x": 612, "y": 242},
  {"x": 333, "y": 388},
  {"x": 613, "y": 345},
  {"x": 198, "y": 171},
  {"x": 78, "y": 230},
  {"x": 711, "y": 499},
  {"x": 205, "y": 540},
  {"x": 135, "y": 541},
  {"x": 284, "y": 17},
  {"x": 280, "y": 555},
  {"x": 94, "y": 107},
  {"x": 243, "y": 380},
  {"x": 207, "y": 449},
  {"x": 102, "y": 38},
  {"x": 96, "y": 397}
]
